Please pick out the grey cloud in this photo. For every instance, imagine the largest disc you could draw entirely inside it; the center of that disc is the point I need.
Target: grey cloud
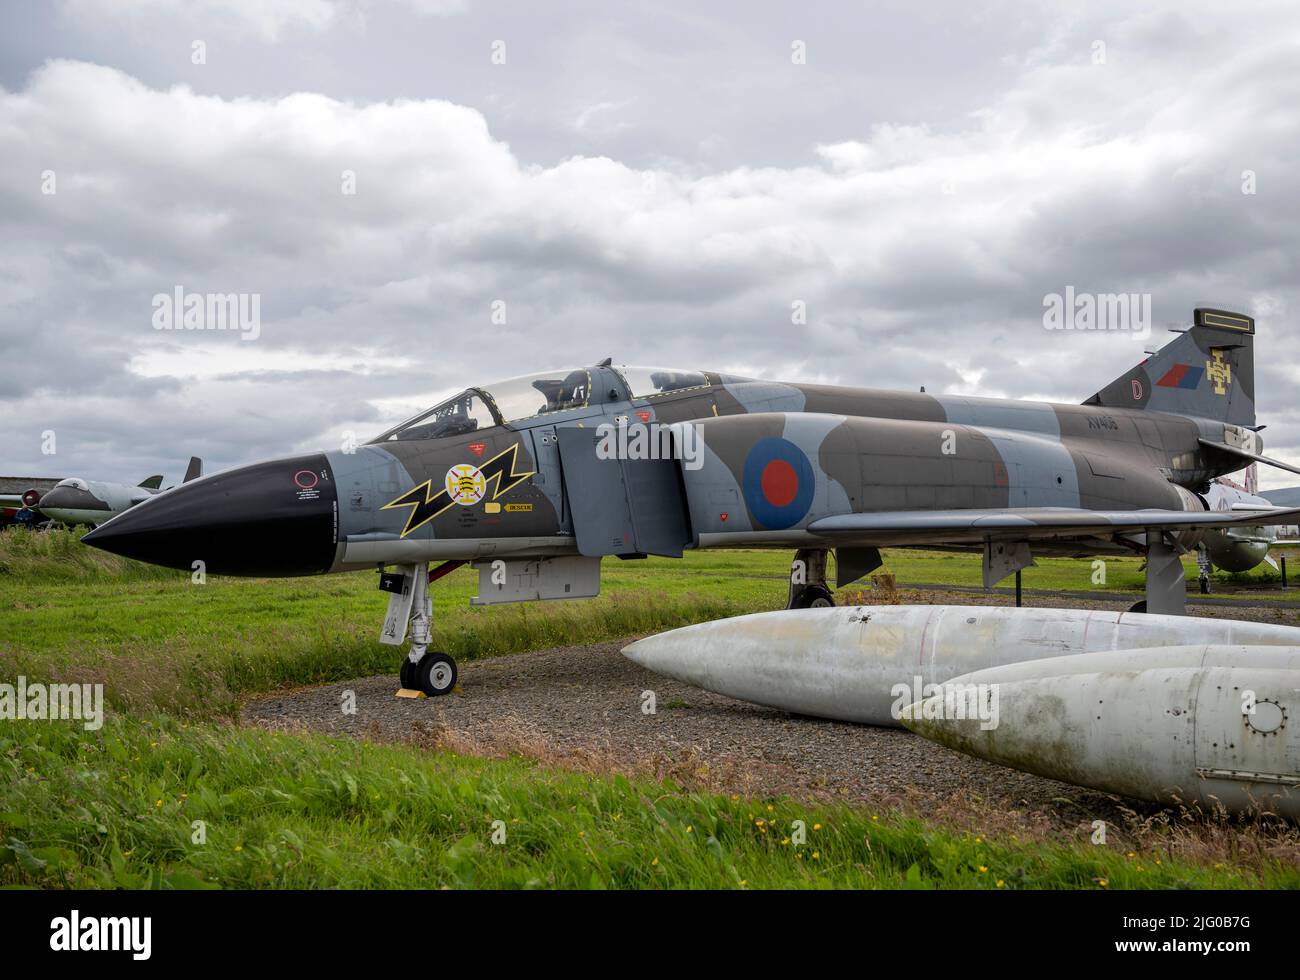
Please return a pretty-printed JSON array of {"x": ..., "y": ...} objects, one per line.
[{"x": 920, "y": 185}]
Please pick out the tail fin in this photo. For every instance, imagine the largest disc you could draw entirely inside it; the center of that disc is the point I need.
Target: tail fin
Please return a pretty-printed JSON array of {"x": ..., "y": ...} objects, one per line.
[
  {"x": 1208, "y": 372},
  {"x": 152, "y": 482},
  {"x": 194, "y": 470}
]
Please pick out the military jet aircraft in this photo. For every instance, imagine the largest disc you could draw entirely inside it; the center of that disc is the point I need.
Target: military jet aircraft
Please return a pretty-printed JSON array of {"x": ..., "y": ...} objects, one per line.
[
  {"x": 1241, "y": 548},
  {"x": 1234, "y": 549},
  {"x": 76, "y": 501},
  {"x": 537, "y": 479}
]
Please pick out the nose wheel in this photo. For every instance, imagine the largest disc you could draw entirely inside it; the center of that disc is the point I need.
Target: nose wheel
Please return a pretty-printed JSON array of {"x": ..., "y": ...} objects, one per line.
[{"x": 435, "y": 674}]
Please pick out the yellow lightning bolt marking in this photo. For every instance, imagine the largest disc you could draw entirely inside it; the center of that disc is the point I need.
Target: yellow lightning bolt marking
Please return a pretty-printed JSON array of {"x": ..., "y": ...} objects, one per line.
[
  {"x": 426, "y": 505},
  {"x": 493, "y": 470}
]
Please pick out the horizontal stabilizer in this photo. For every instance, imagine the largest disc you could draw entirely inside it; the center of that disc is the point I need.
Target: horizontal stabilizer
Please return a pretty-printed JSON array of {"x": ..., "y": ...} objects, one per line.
[{"x": 1242, "y": 454}]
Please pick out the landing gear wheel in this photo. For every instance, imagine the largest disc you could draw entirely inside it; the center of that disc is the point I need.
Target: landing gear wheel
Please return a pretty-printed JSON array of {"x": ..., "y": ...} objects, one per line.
[
  {"x": 1138, "y": 607},
  {"x": 407, "y": 674},
  {"x": 813, "y": 597},
  {"x": 435, "y": 674}
]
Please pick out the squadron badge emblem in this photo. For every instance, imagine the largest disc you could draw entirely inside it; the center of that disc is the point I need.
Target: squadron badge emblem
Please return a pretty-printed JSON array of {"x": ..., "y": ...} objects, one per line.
[{"x": 466, "y": 484}]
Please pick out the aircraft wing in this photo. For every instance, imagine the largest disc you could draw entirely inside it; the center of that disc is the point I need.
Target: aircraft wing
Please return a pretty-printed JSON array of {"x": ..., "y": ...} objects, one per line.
[{"x": 914, "y": 527}]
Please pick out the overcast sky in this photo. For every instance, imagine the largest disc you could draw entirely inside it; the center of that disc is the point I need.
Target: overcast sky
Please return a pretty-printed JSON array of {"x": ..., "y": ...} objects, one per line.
[{"x": 656, "y": 182}]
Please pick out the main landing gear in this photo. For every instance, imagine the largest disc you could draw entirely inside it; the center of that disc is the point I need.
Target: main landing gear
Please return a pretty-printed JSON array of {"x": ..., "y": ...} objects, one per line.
[
  {"x": 1204, "y": 567},
  {"x": 808, "y": 588},
  {"x": 1166, "y": 588},
  {"x": 410, "y": 610}
]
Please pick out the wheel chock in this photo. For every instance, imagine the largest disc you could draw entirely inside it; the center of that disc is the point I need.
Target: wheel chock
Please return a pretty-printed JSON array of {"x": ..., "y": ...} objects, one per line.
[{"x": 406, "y": 692}]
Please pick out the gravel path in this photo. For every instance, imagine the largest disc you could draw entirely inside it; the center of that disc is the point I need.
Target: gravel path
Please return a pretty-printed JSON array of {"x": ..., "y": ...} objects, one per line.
[{"x": 581, "y": 707}]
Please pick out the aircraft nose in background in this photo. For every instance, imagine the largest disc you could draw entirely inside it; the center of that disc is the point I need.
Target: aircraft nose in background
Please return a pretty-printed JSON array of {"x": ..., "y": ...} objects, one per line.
[
  {"x": 272, "y": 518},
  {"x": 72, "y": 505}
]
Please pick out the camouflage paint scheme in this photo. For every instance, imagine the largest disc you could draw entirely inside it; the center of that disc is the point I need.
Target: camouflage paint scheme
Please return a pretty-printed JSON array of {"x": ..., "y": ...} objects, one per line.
[
  {"x": 784, "y": 465},
  {"x": 877, "y": 450}
]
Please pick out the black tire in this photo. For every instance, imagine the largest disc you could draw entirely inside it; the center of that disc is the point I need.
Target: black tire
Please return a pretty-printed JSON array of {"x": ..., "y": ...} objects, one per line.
[
  {"x": 813, "y": 597},
  {"x": 407, "y": 674},
  {"x": 1138, "y": 607},
  {"x": 435, "y": 674}
]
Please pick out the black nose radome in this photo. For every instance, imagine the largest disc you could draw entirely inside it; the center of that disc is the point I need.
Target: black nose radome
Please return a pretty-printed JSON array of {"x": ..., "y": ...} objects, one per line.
[{"x": 273, "y": 518}]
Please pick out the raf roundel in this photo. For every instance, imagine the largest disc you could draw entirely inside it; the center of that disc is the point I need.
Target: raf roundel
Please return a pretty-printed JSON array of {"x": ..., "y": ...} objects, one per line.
[{"x": 779, "y": 483}]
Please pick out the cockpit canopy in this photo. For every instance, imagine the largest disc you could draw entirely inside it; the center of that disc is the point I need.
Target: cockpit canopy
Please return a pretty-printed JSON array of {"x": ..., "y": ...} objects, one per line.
[
  {"x": 646, "y": 382},
  {"x": 457, "y": 416},
  {"x": 75, "y": 482},
  {"x": 530, "y": 396}
]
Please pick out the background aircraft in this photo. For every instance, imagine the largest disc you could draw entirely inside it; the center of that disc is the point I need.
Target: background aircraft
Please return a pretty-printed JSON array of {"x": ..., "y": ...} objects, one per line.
[
  {"x": 75, "y": 501},
  {"x": 1235, "y": 549},
  {"x": 519, "y": 478},
  {"x": 1239, "y": 549}
]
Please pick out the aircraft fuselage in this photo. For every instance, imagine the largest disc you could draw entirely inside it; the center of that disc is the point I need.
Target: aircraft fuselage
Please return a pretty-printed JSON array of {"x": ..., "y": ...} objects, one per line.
[{"x": 466, "y": 481}]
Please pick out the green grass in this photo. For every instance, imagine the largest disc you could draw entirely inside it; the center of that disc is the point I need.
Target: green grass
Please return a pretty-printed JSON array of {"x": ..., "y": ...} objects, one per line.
[
  {"x": 118, "y": 808},
  {"x": 57, "y": 555},
  {"x": 191, "y": 649},
  {"x": 159, "y": 642},
  {"x": 115, "y": 808}
]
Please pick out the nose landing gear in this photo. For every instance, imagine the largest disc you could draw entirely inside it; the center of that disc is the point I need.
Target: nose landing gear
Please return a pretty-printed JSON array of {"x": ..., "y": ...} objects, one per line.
[
  {"x": 434, "y": 673},
  {"x": 410, "y": 610}
]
